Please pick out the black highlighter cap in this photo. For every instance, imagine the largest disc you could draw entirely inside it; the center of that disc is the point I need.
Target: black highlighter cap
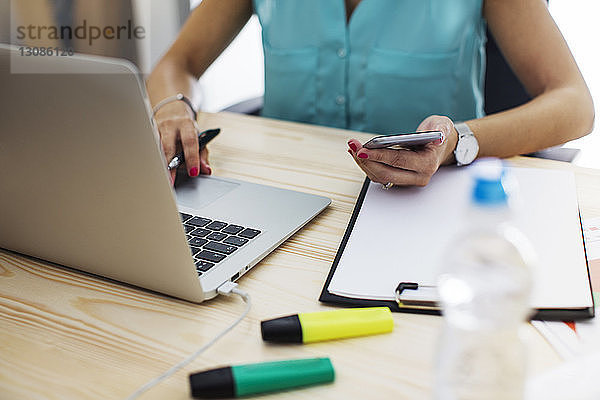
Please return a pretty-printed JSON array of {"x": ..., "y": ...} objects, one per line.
[
  {"x": 215, "y": 383},
  {"x": 282, "y": 330}
]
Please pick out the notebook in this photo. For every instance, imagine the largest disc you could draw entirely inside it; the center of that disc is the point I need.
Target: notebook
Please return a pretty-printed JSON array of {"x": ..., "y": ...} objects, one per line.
[{"x": 398, "y": 236}]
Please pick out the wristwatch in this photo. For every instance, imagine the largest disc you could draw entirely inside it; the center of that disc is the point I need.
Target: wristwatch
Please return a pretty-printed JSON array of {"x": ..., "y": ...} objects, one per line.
[{"x": 467, "y": 146}]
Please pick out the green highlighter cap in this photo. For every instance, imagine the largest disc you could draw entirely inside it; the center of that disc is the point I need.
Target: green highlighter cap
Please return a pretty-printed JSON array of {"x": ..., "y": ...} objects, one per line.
[{"x": 250, "y": 379}]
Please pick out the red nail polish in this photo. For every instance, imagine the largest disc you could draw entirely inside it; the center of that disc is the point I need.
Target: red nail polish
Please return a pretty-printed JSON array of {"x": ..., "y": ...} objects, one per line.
[
  {"x": 194, "y": 171},
  {"x": 363, "y": 155},
  {"x": 209, "y": 171},
  {"x": 352, "y": 146}
]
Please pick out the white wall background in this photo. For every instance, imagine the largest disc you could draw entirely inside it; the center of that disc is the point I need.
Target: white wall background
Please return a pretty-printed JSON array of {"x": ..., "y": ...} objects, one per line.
[
  {"x": 235, "y": 76},
  {"x": 238, "y": 74},
  {"x": 162, "y": 20},
  {"x": 578, "y": 21}
]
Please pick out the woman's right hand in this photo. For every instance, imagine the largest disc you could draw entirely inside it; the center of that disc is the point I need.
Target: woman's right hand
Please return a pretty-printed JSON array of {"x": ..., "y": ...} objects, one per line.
[
  {"x": 178, "y": 130},
  {"x": 208, "y": 30}
]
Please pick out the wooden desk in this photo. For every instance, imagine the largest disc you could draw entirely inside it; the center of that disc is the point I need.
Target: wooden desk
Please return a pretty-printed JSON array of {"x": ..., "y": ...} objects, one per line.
[{"x": 67, "y": 335}]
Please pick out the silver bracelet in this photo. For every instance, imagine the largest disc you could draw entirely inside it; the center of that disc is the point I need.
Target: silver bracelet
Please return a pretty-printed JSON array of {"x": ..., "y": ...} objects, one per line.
[{"x": 171, "y": 99}]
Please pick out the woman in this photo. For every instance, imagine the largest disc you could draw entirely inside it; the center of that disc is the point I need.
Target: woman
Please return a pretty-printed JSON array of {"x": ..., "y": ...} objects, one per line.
[{"x": 388, "y": 66}]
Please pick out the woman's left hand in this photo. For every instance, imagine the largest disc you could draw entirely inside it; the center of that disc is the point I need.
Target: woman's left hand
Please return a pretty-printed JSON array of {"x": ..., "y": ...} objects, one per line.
[{"x": 406, "y": 167}]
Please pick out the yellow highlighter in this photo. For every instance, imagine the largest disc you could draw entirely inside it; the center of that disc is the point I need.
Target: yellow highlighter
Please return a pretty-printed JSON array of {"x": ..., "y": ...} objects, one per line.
[{"x": 327, "y": 325}]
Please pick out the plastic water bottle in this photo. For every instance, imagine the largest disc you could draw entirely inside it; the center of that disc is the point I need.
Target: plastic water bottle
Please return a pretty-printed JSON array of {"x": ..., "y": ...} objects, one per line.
[{"x": 484, "y": 289}]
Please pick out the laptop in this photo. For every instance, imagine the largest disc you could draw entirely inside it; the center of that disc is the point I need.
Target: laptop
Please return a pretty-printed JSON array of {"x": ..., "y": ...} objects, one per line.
[{"x": 84, "y": 184}]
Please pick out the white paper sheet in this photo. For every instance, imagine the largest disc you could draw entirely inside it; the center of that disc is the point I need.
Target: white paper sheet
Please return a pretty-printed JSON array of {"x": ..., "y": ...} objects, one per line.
[
  {"x": 400, "y": 235},
  {"x": 582, "y": 337}
]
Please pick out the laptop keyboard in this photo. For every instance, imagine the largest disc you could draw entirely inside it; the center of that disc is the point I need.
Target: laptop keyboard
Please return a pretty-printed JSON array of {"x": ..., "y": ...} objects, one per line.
[{"x": 212, "y": 241}]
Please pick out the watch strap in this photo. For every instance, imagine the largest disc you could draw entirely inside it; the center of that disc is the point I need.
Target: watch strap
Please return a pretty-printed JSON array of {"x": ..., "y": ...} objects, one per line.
[{"x": 463, "y": 131}]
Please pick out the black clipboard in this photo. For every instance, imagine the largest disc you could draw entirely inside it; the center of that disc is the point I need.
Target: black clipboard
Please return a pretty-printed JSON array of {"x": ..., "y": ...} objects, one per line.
[{"x": 327, "y": 297}]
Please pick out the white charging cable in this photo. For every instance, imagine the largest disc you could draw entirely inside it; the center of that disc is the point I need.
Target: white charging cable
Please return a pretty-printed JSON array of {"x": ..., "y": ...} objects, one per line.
[{"x": 226, "y": 289}]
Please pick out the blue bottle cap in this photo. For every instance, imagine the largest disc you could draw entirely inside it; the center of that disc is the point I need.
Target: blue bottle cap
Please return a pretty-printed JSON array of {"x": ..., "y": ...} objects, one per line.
[{"x": 488, "y": 189}]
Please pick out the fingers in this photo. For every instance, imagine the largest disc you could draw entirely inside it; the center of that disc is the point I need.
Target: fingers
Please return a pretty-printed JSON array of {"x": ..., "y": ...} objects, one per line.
[
  {"x": 422, "y": 160},
  {"x": 401, "y": 167},
  {"x": 189, "y": 141},
  {"x": 354, "y": 145},
  {"x": 362, "y": 165},
  {"x": 168, "y": 139},
  {"x": 446, "y": 126},
  {"x": 173, "y": 174},
  {"x": 185, "y": 131},
  {"x": 381, "y": 173},
  {"x": 435, "y": 122},
  {"x": 204, "y": 167},
  {"x": 438, "y": 123}
]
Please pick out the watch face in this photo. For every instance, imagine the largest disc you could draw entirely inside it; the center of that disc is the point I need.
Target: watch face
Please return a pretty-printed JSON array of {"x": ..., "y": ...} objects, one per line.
[{"x": 466, "y": 150}]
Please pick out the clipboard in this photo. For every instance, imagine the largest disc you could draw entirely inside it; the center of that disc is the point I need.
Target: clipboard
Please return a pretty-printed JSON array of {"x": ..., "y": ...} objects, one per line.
[
  {"x": 327, "y": 297},
  {"x": 407, "y": 289}
]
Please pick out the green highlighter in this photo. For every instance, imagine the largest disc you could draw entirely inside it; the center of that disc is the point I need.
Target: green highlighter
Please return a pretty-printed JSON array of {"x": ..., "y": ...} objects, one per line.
[{"x": 250, "y": 379}]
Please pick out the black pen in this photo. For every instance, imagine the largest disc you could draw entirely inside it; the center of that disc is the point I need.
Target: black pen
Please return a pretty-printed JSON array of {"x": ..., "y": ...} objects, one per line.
[{"x": 203, "y": 138}]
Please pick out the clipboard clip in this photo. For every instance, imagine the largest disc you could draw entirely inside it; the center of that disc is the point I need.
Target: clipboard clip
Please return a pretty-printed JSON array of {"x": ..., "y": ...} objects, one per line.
[{"x": 413, "y": 295}]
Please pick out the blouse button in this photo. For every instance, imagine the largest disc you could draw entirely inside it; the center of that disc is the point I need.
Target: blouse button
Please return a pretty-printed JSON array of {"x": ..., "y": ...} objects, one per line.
[
  {"x": 340, "y": 100},
  {"x": 341, "y": 52}
]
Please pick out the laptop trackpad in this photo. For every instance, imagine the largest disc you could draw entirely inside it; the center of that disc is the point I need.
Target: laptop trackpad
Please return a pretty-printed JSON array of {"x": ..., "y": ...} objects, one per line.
[{"x": 201, "y": 191}]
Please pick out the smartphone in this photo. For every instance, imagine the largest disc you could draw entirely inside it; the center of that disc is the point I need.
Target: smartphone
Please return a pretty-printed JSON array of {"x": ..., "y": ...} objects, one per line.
[{"x": 404, "y": 140}]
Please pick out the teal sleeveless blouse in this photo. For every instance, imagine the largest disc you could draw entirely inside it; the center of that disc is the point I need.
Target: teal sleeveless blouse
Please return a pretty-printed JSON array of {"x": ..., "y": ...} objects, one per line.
[{"x": 393, "y": 64}]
